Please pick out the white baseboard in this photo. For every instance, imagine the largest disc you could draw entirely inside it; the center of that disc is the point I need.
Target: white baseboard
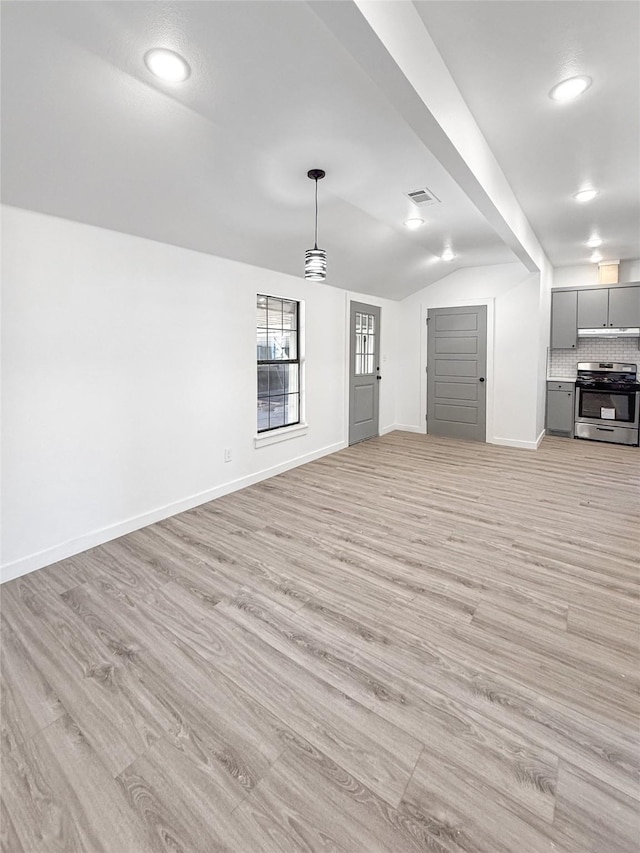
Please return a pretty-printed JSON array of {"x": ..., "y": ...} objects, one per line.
[
  {"x": 39, "y": 560},
  {"x": 401, "y": 428},
  {"x": 513, "y": 442},
  {"x": 505, "y": 442}
]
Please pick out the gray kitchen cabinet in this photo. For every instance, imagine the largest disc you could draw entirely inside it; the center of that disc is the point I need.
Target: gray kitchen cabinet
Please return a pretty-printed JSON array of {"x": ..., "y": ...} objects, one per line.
[
  {"x": 560, "y": 404},
  {"x": 624, "y": 307},
  {"x": 564, "y": 325},
  {"x": 593, "y": 308}
]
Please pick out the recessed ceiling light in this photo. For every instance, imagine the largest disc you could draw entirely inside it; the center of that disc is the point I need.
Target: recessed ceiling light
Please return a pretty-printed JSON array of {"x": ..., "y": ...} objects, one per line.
[
  {"x": 585, "y": 195},
  {"x": 447, "y": 255},
  {"x": 167, "y": 65},
  {"x": 594, "y": 242},
  {"x": 595, "y": 258},
  {"x": 412, "y": 224},
  {"x": 569, "y": 89}
]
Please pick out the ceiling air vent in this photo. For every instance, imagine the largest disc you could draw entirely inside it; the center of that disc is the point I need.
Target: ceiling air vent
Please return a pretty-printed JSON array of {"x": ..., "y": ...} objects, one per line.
[{"x": 423, "y": 197}]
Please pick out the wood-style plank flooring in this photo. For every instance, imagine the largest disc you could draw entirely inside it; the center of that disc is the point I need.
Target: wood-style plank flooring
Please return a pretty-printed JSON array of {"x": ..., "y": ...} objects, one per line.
[{"x": 415, "y": 644}]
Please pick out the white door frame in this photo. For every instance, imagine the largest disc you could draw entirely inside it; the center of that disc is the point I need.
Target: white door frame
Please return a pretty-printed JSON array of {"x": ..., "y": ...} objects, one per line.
[{"x": 489, "y": 301}]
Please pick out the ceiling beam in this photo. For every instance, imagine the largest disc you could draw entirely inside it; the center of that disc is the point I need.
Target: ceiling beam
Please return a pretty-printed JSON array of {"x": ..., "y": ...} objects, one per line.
[{"x": 391, "y": 44}]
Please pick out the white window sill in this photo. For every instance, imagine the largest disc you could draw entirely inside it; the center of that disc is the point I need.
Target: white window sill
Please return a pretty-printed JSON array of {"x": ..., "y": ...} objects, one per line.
[{"x": 283, "y": 434}]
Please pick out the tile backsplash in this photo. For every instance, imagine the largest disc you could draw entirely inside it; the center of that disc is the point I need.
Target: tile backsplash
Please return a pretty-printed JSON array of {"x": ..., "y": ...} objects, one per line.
[{"x": 562, "y": 362}]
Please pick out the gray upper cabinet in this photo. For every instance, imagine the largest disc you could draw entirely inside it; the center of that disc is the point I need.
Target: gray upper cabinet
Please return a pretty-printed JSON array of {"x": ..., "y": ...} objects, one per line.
[
  {"x": 593, "y": 308},
  {"x": 564, "y": 326},
  {"x": 624, "y": 307}
]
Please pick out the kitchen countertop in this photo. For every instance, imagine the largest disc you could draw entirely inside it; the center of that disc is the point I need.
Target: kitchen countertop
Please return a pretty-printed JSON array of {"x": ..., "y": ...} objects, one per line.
[{"x": 561, "y": 378}]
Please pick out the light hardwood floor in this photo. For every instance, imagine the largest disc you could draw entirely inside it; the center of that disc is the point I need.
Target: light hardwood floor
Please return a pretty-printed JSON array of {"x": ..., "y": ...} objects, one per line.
[{"x": 413, "y": 644}]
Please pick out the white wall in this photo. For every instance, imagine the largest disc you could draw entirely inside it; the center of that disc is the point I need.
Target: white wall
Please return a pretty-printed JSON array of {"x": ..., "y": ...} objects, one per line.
[
  {"x": 515, "y": 337},
  {"x": 584, "y": 274},
  {"x": 129, "y": 367},
  {"x": 546, "y": 284}
]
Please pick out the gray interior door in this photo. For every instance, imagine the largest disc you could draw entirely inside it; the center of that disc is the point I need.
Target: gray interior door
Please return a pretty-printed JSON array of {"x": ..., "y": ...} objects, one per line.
[
  {"x": 364, "y": 371},
  {"x": 456, "y": 372}
]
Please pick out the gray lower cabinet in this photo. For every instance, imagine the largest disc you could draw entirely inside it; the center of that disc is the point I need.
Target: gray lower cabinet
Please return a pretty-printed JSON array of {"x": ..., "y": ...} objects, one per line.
[
  {"x": 560, "y": 404},
  {"x": 564, "y": 325}
]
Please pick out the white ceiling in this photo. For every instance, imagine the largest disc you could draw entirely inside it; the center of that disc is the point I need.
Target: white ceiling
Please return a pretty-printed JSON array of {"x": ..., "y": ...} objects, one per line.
[
  {"x": 219, "y": 163},
  {"x": 504, "y": 58}
]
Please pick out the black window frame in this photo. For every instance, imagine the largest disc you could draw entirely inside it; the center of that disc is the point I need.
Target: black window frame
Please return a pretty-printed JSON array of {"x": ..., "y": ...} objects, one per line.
[{"x": 280, "y": 361}]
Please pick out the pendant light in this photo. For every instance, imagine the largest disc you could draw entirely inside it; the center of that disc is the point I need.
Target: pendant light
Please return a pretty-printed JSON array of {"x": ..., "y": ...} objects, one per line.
[{"x": 315, "y": 260}]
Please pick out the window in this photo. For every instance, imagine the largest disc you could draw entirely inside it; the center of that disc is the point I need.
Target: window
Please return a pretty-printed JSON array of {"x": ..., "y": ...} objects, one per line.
[{"x": 278, "y": 363}]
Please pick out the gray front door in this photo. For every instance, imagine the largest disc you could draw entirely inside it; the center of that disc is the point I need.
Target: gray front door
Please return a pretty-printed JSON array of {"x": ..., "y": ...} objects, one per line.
[
  {"x": 364, "y": 371},
  {"x": 456, "y": 372}
]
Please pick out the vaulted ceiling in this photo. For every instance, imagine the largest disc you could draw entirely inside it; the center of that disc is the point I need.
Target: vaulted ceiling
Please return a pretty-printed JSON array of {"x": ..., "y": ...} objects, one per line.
[{"x": 218, "y": 163}]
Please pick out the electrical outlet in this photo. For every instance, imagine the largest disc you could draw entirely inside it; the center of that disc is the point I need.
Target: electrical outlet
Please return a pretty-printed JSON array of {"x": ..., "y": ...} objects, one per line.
[{"x": 227, "y": 454}]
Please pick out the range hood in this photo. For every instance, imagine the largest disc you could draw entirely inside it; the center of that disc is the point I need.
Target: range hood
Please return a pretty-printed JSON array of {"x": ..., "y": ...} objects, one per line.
[{"x": 609, "y": 333}]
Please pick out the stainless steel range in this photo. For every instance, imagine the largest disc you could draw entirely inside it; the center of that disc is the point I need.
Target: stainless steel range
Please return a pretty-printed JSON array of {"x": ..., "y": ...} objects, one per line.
[{"x": 607, "y": 402}]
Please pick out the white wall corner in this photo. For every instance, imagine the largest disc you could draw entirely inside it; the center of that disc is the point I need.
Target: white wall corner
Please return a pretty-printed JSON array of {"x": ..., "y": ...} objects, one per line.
[
  {"x": 512, "y": 442},
  {"x": 402, "y": 428}
]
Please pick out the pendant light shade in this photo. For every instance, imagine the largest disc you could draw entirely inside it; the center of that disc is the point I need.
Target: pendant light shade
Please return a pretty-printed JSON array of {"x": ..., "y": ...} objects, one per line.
[
  {"x": 315, "y": 260},
  {"x": 315, "y": 264}
]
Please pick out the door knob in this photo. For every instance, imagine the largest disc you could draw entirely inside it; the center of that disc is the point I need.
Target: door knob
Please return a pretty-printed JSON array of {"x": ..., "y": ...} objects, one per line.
[{"x": 482, "y": 379}]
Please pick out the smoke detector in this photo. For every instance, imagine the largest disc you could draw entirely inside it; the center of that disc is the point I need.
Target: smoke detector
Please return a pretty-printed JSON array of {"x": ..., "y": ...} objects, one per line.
[{"x": 423, "y": 197}]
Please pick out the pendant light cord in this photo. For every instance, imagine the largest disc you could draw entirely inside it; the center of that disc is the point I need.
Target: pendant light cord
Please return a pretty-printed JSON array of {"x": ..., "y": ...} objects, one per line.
[{"x": 316, "y": 236}]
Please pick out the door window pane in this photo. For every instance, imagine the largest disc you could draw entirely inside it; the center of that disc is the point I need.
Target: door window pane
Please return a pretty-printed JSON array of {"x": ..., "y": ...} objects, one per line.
[{"x": 365, "y": 344}]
